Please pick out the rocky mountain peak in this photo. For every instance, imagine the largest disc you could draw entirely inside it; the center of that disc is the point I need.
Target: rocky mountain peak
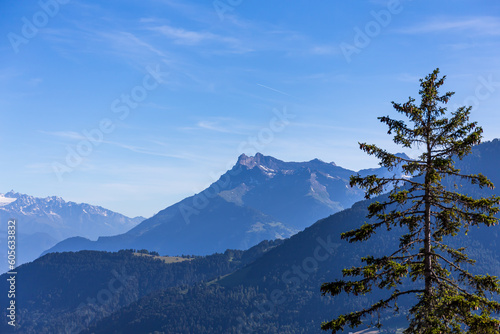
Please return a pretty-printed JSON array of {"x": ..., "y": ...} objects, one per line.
[{"x": 259, "y": 160}]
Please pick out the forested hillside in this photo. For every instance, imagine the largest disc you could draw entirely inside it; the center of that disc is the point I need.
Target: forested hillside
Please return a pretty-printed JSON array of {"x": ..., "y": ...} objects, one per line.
[{"x": 67, "y": 291}]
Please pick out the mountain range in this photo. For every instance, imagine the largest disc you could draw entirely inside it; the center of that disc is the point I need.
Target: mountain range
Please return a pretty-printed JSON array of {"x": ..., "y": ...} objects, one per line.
[
  {"x": 260, "y": 198},
  {"x": 42, "y": 222},
  {"x": 276, "y": 292}
]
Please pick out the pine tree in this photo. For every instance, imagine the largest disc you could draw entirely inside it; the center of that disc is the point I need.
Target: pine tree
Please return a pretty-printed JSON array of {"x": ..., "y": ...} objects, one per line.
[{"x": 449, "y": 299}]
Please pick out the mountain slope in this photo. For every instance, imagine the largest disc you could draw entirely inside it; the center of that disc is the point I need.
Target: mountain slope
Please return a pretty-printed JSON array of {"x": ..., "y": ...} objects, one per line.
[
  {"x": 62, "y": 219},
  {"x": 42, "y": 222},
  {"x": 259, "y": 198},
  {"x": 279, "y": 292},
  {"x": 231, "y": 226},
  {"x": 63, "y": 293}
]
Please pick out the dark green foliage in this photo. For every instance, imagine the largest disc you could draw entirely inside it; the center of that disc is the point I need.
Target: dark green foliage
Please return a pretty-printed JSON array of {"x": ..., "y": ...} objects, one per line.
[
  {"x": 143, "y": 251},
  {"x": 428, "y": 212},
  {"x": 65, "y": 292}
]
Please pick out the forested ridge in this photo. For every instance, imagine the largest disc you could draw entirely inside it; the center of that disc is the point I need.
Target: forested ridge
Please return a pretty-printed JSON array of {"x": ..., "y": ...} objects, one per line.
[{"x": 67, "y": 291}]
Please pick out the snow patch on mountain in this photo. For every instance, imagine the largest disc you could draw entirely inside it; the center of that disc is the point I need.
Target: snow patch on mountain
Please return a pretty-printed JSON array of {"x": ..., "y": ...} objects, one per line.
[{"x": 6, "y": 200}]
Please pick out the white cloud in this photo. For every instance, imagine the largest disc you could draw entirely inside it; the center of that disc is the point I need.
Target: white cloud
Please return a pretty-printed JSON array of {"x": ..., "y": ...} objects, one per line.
[
  {"x": 65, "y": 134},
  {"x": 72, "y": 135},
  {"x": 183, "y": 36},
  {"x": 130, "y": 43},
  {"x": 218, "y": 126},
  {"x": 485, "y": 25},
  {"x": 274, "y": 90},
  {"x": 148, "y": 151},
  {"x": 324, "y": 50}
]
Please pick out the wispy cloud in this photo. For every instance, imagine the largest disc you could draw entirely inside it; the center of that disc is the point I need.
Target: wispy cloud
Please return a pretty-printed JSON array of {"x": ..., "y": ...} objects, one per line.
[
  {"x": 330, "y": 127},
  {"x": 144, "y": 150},
  {"x": 183, "y": 36},
  {"x": 226, "y": 125},
  {"x": 218, "y": 126},
  {"x": 222, "y": 43},
  {"x": 123, "y": 43},
  {"x": 406, "y": 77},
  {"x": 65, "y": 134},
  {"x": 324, "y": 50},
  {"x": 485, "y": 25},
  {"x": 274, "y": 90},
  {"x": 74, "y": 136},
  {"x": 129, "y": 43}
]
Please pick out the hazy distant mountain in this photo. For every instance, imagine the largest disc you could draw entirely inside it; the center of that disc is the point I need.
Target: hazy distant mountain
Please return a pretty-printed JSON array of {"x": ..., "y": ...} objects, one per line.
[
  {"x": 42, "y": 222},
  {"x": 276, "y": 293},
  {"x": 259, "y": 198},
  {"x": 280, "y": 291}
]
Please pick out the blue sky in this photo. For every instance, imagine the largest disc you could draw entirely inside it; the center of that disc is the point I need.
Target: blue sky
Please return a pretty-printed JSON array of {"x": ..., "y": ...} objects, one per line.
[{"x": 170, "y": 92}]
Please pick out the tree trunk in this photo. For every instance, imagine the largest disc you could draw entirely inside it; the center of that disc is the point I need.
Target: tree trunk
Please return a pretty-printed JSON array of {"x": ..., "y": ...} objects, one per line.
[
  {"x": 427, "y": 244},
  {"x": 427, "y": 215}
]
